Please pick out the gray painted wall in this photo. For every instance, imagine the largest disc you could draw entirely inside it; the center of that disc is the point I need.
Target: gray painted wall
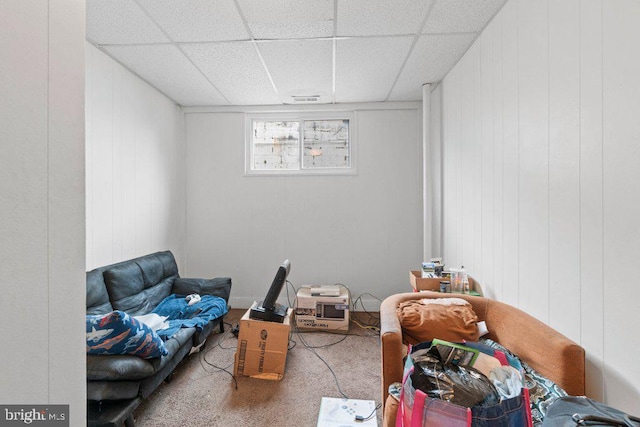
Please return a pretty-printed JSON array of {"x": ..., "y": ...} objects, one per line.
[{"x": 364, "y": 230}]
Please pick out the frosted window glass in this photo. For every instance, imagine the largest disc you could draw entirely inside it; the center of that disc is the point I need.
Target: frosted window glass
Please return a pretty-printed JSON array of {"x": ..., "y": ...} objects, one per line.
[
  {"x": 326, "y": 144},
  {"x": 276, "y": 145}
]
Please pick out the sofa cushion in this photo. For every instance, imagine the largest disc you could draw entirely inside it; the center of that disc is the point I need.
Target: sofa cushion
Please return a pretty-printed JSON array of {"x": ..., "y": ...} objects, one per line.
[
  {"x": 157, "y": 293},
  {"x": 118, "y": 367},
  {"x": 130, "y": 287},
  {"x": 219, "y": 287},
  {"x": 112, "y": 390},
  {"x": 97, "y": 299},
  {"x": 152, "y": 270},
  {"x": 144, "y": 302},
  {"x": 184, "y": 337},
  {"x": 440, "y": 318},
  {"x": 119, "y": 333},
  {"x": 170, "y": 268},
  {"x": 123, "y": 280},
  {"x": 130, "y": 368}
]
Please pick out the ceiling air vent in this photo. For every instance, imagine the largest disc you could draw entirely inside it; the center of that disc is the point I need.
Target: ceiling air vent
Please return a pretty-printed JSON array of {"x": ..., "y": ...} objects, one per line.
[{"x": 305, "y": 99}]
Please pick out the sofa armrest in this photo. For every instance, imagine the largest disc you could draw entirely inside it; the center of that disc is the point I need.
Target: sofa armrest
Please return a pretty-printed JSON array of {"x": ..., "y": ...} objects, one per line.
[
  {"x": 546, "y": 350},
  {"x": 219, "y": 286},
  {"x": 391, "y": 342}
]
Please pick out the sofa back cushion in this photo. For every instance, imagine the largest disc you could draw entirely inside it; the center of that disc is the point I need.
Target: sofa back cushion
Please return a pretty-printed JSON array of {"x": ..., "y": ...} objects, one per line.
[
  {"x": 97, "y": 295},
  {"x": 152, "y": 270},
  {"x": 170, "y": 268},
  {"x": 157, "y": 267},
  {"x": 135, "y": 286},
  {"x": 123, "y": 281}
]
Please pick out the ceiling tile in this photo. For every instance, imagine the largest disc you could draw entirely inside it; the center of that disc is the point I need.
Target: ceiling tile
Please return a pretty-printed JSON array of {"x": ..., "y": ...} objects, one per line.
[
  {"x": 167, "y": 69},
  {"x": 380, "y": 17},
  {"x": 431, "y": 58},
  {"x": 302, "y": 67},
  {"x": 451, "y": 16},
  {"x": 197, "y": 20},
  {"x": 154, "y": 37},
  {"x": 120, "y": 22},
  {"x": 287, "y": 19},
  {"x": 366, "y": 68},
  {"x": 236, "y": 69}
]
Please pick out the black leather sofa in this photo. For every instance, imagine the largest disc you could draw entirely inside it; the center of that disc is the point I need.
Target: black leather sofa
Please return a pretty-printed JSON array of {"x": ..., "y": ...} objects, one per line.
[{"x": 116, "y": 384}]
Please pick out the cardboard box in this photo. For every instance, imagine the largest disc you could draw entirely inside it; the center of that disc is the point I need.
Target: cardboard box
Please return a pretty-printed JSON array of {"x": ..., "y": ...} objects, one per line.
[
  {"x": 433, "y": 284},
  {"x": 262, "y": 348},
  {"x": 322, "y": 312},
  {"x": 424, "y": 284}
]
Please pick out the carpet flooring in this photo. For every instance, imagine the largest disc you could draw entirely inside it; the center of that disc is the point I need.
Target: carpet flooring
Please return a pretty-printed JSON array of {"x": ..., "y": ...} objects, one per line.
[{"x": 202, "y": 393}]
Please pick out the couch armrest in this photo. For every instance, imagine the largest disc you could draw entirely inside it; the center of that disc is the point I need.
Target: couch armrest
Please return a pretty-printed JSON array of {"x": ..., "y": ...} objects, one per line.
[
  {"x": 546, "y": 350},
  {"x": 391, "y": 342},
  {"x": 219, "y": 286}
]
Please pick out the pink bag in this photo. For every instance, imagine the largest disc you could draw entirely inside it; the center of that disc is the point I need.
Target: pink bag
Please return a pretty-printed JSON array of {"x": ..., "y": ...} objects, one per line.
[{"x": 416, "y": 409}]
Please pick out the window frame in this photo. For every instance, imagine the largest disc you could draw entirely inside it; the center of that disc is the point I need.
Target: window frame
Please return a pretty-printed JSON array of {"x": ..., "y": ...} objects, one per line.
[{"x": 300, "y": 116}]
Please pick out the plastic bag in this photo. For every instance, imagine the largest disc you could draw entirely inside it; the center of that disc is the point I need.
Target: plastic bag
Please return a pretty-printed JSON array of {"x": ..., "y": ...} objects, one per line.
[{"x": 461, "y": 385}]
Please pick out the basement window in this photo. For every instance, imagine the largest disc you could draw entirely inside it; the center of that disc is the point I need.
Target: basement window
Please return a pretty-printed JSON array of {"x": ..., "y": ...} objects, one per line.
[{"x": 283, "y": 144}]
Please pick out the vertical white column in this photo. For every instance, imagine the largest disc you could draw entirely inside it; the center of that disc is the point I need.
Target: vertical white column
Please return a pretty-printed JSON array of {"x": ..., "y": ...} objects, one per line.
[
  {"x": 436, "y": 165},
  {"x": 427, "y": 178}
]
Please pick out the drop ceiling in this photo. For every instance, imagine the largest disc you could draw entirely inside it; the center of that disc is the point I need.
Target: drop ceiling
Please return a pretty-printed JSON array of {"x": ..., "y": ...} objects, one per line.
[{"x": 265, "y": 52}]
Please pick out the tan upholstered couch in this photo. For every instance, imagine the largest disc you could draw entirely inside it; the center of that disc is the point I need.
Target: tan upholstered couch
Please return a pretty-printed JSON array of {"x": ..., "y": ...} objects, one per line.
[{"x": 547, "y": 351}]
